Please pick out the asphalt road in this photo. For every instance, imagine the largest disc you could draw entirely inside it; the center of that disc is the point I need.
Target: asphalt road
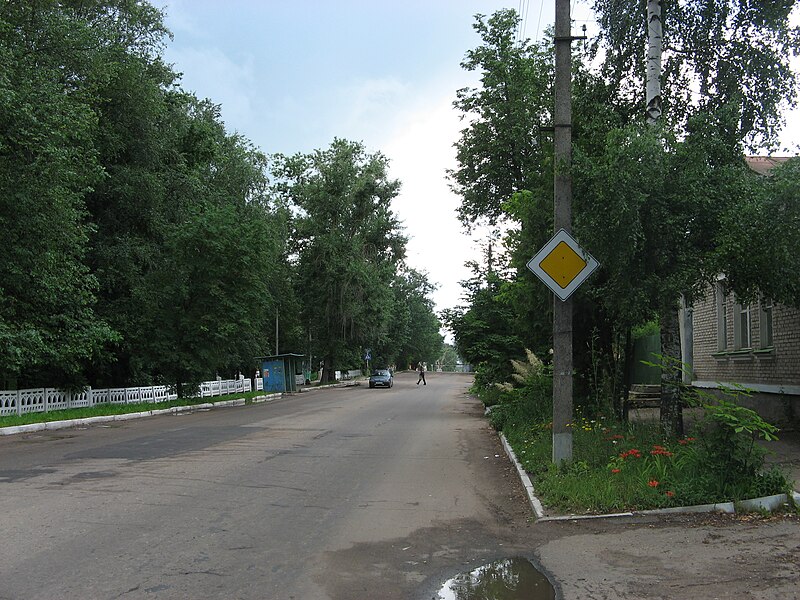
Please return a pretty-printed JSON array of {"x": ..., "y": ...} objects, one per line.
[{"x": 343, "y": 493}]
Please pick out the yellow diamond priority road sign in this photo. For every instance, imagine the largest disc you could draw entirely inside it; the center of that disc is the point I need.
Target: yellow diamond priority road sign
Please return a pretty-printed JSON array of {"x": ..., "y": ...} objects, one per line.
[{"x": 562, "y": 264}]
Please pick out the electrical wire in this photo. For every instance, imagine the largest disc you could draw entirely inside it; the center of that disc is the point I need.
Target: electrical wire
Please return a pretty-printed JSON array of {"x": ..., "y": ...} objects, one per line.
[
  {"x": 525, "y": 19},
  {"x": 539, "y": 22}
]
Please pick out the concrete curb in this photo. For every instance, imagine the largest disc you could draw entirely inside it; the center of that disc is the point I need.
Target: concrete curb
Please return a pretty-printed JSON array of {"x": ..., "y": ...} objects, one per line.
[
  {"x": 64, "y": 424},
  {"x": 768, "y": 503},
  {"x": 536, "y": 505}
]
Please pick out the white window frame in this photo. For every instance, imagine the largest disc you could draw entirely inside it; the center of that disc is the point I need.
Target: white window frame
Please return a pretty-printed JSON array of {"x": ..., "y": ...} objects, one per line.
[
  {"x": 722, "y": 316},
  {"x": 765, "y": 323},
  {"x": 742, "y": 335}
]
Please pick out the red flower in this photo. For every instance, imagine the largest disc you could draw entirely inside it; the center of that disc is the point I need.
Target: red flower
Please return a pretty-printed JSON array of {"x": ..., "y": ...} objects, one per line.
[
  {"x": 685, "y": 441},
  {"x": 633, "y": 452},
  {"x": 670, "y": 493},
  {"x": 660, "y": 451},
  {"x": 615, "y": 471},
  {"x": 652, "y": 483}
]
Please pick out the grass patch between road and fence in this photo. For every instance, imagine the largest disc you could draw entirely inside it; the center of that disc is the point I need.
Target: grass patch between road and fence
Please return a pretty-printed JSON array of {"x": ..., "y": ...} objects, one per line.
[{"x": 100, "y": 410}]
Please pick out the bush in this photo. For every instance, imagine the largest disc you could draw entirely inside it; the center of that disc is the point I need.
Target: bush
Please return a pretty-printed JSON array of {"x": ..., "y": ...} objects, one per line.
[
  {"x": 530, "y": 402},
  {"x": 621, "y": 466}
]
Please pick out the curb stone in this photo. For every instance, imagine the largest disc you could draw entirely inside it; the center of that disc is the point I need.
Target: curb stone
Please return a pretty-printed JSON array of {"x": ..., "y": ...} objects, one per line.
[
  {"x": 769, "y": 503},
  {"x": 536, "y": 505}
]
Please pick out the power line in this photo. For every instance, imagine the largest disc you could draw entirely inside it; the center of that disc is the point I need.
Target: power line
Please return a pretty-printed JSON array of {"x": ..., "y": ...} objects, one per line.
[
  {"x": 525, "y": 20},
  {"x": 539, "y": 23},
  {"x": 522, "y": 25}
]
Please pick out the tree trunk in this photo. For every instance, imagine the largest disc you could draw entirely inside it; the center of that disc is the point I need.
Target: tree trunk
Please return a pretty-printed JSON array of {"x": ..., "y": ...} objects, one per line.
[
  {"x": 654, "y": 41},
  {"x": 671, "y": 410},
  {"x": 328, "y": 376}
]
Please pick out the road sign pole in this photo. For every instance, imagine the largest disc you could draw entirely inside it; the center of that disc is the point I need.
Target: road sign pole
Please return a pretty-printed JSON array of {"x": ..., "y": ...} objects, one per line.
[{"x": 562, "y": 310}]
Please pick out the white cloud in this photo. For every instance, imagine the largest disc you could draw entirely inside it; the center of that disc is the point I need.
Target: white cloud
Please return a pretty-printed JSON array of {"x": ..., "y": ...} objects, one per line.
[
  {"x": 365, "y": 104},
  {"x": 420, "y": 147}
]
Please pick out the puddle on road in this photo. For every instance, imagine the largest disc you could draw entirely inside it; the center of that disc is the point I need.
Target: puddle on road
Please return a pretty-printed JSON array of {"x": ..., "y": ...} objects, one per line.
[{"x": 508, "y": 579}]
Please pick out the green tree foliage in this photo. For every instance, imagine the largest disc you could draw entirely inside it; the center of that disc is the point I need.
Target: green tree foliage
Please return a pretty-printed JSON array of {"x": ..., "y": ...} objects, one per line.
[
  {"x": 348, "y": 248},
  {"x": 726, "y": 77},
  {"x": 757, "y": 247},
  {"x": 188, "y": 245},
  {"x": 499, "y": 152},
  {"x": 504, "y": 174},
  {"x": 141, "y": 242},
  {"x": 718, "y": 55},
  {"x": 486, "y": 329},
  {"x": 660, "y": 208},
  {"x": 414, "y": 326},
  {"x": 450, "y": 358},
  {"x": 48, "y": 161}
]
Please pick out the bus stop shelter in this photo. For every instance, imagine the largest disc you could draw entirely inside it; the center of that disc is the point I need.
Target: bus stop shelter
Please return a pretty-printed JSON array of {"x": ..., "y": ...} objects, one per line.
[{"x": 278, "y": 372}]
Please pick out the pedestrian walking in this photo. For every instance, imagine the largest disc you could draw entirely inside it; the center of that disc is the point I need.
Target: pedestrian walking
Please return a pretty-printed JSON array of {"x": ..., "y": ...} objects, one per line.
[{"x": 421, "y": 371}]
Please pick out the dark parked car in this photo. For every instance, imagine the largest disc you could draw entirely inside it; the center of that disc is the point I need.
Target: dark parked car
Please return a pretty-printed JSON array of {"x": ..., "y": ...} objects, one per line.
[{"x": 381, "y": 377}]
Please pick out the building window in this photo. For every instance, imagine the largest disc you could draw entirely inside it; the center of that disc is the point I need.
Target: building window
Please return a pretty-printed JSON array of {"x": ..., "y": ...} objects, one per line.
[
  {"x": 741, "y": 326},
  {"x": 765, "y": 323},
  {"x": 722, "y": 316}
]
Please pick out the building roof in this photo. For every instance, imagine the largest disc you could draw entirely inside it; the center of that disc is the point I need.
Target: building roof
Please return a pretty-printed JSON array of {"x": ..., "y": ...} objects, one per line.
[{"x": 764, "y": 164}]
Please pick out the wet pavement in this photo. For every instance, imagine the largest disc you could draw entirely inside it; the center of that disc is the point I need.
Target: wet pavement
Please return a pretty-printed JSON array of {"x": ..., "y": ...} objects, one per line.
[{"x": 507, "y": 579}]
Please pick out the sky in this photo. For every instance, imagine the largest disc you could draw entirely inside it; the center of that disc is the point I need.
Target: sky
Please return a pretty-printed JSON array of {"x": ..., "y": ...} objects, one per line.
[{"x": 291, "y": 76}]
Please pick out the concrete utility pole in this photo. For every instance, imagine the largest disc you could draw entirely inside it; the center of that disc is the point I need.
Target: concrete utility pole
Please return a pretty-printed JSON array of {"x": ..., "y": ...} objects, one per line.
[{"x": 562, "y": 311}]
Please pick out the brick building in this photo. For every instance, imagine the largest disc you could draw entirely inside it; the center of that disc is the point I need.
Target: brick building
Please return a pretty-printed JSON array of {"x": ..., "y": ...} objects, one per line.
[{"x": 754, "y": 345}]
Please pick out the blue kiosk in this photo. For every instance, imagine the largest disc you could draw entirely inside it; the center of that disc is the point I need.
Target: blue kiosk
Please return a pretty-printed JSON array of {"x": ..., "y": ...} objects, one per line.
[{"x": 278, "y": 372}]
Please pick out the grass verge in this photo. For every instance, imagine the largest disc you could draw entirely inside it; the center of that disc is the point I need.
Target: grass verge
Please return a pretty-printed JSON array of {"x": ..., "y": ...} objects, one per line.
[
  {"x": 619, "y": 467},
  {"x": 114, "y": 409}
]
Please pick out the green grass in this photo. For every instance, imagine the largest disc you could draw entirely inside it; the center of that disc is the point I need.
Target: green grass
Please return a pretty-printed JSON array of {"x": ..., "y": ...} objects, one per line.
[
  {"x": 115, "y": 409},
  {"x": 619, "y": 467}
]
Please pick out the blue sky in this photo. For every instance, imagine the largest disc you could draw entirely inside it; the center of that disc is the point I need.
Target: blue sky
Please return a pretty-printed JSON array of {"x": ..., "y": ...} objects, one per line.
[{"x": 291, "y": 75}]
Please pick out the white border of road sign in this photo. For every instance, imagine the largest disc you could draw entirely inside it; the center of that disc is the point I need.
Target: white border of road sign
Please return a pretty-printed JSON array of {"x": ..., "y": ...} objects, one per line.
[{"x": 535, "y": 262}]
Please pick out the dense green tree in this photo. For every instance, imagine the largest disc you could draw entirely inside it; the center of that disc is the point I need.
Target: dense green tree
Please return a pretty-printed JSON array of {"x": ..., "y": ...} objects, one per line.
[
  {"x": 417, "y": 337},
  {"x": 348, "y": 246},
  {"x": 726, "y": 76},
  {"x": 139, "y": 232},
  {"x": 500, "y": 151},
  {"x": 759, "y": 237},
  {"x": 485, "y": 331},
  {"x": 650, "y": 203},
  {"x": 48, "y": 161},
  {"x": 507, "y": 116},
  {"x": 718, "y": 55}
]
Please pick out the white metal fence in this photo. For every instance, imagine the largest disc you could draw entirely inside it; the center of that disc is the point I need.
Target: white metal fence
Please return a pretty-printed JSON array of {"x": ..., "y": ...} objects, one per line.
[{"x": 20, "y": 402}]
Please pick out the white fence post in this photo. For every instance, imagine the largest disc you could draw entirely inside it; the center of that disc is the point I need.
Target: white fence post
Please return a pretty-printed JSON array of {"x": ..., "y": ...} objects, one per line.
[
  {"x": 19, "y": 403},
  {"x": 44, "y": 402},
  {"x": 89, "y": 396}
]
